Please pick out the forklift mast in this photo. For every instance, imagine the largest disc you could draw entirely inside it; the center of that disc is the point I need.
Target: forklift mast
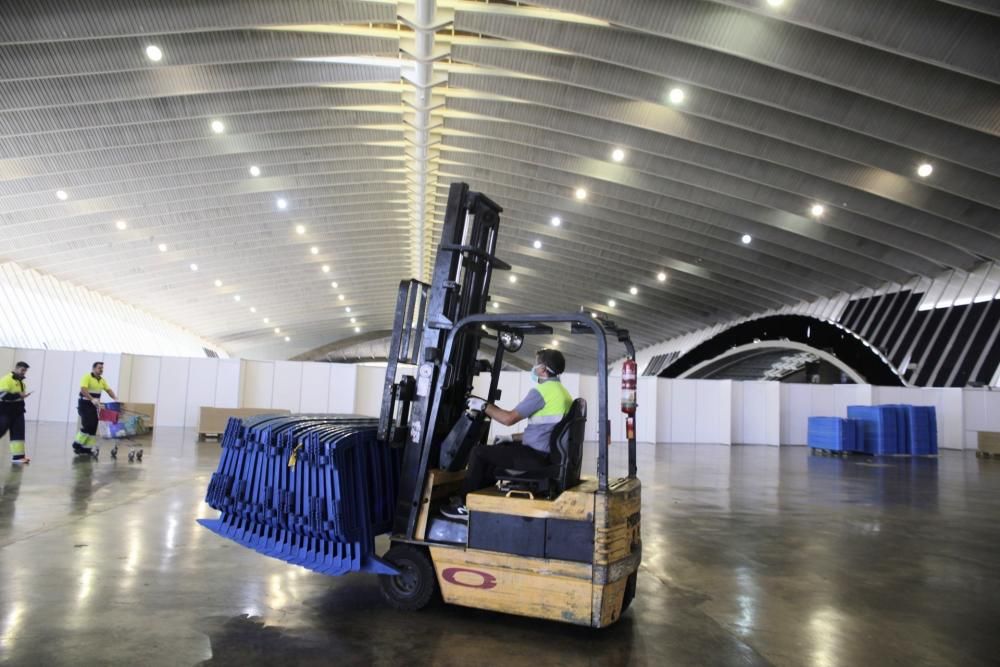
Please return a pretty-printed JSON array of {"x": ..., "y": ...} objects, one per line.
[{"x": 417, "y": 412}]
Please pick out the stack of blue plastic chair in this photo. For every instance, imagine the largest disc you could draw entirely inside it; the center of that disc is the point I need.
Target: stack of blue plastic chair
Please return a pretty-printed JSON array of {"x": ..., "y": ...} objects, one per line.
[
  {"x": 834, "y": 433},
  {"x": 921, "y": 431},
  {"x": 879, "y": 427},
  {"x": 310, "y": 490}
]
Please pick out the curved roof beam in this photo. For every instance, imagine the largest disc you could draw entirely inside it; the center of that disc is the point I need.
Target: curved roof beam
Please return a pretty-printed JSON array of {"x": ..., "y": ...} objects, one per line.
[{"x": 764, "y": 42}]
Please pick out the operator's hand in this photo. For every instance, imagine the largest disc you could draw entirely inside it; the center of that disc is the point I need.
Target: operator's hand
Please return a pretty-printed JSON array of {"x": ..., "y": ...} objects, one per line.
[
  {"x": 476, "y": 404},
  {"x": 96, "y": 402},
  {"x": 27, "y": 394}
]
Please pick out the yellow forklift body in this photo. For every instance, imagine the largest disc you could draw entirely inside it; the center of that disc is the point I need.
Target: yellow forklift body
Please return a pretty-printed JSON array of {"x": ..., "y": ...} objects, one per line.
[{"x": 591, "y": 594}]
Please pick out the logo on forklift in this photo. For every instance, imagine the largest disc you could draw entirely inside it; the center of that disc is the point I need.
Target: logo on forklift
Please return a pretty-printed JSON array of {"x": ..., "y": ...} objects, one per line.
[{"x": 485, "y": 581}]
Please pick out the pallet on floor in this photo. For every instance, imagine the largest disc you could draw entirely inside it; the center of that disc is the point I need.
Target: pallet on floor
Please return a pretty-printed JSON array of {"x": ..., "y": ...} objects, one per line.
[{"x": 844, "y": 453}]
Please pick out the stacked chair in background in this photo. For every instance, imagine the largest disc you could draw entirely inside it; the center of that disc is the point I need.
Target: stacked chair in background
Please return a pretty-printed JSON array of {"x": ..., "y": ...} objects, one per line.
[{"x": 310, "y": 490}]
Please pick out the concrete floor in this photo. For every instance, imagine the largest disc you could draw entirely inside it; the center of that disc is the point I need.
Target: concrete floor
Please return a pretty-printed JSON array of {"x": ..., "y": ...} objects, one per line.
[{"x": 752, "y": 556}]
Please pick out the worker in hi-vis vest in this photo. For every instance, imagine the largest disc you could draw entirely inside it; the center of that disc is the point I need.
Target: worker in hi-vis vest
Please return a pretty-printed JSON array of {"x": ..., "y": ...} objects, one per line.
[
  {"x": 12, "y": 394},
  {"x": 91, "y": 386},
  {"x": 544, "y": 407}
]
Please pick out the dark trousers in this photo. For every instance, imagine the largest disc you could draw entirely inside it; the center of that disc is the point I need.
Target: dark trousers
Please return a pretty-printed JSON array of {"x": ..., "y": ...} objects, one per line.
[
  {"x": 88, "y": 417},
  {"x": 485, "y": 459},
  {"x": 12, "y": 419}
]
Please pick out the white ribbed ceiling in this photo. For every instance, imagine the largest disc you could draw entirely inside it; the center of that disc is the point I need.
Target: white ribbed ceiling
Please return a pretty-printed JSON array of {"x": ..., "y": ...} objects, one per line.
[{"x": 810, "y": 102}]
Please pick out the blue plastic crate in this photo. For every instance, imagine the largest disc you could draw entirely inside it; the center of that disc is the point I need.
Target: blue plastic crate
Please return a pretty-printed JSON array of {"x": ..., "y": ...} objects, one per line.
[
  {"x": 921, "y": 430},
  {"x": 833, "y": 433},
  {"x": 879, "y": 427}
]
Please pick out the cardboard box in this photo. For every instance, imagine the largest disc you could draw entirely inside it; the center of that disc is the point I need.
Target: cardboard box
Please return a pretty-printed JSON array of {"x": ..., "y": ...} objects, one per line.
[
  {"x": 989, "y": 442},
  {"x": 214, "y": 420}
]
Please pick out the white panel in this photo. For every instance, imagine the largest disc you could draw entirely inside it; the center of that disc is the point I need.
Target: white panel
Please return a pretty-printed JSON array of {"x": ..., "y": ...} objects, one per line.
[
  {"x": 258, "y": 384},
  {"x": 757, "y": 412},
  {"x": 125, "y": 377},
  {"x": 36, "y": 360},
  {"x": 683, "y": 411},
  {"x": 796, "y": 408},
  {"x": 7, "y": 358},
  {"x": 950, "y": 418},
  {"x": 287, "y": 385},
  {"x": 738, "y": 428},
  {"x": 343, "y": 388},
  {"x": 713, "y": 411},
  {"x": 144, "y": 385},
  {"x": 53, "y": 385},
  {"x": 615, "y": 414},
  {"x": 645, "y": 413},
  {"x": 171, "y": 406},
  {"x": 368, "y": 400},
  {"x": 664, "y": 413},
  {"x": 227, "y": 383},
  {"x": 572, "y": 383},
  {"x": 201, "y": 381},
  {"x": 315, "y": 387}
]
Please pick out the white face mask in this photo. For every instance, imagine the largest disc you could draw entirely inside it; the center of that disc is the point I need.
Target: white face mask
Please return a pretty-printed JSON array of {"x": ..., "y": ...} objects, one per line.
[{"x": 534, "y": 375}]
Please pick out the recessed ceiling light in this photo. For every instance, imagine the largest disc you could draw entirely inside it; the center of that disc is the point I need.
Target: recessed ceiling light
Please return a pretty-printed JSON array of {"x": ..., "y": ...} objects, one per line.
[
  {"x": 314, "y": 250},
  {"x": 61, "y": 195},
  {"x": 746, "y": 238},
  {"x": 194, "y": 267},
  {"x": 537, "y": 245},
  {"x": 633, "y": 290},
  {"x": 154, "y": 53},
  {"x": 277, "y": 329},
  {"x": 162, "y": 247},
  {"x": 925, "y": 170},
  {"x": 300, "y": 229},
  {"x": 496, "y": 305},
  {"x": 287, "y": 339},
  {"x": 236, "y": 297},
  {"x": 267, "y": 320},
  {"x": 326, "y": 268},
  {"x": 121, "y": 224},
  {"x": 555, "y": 343},
  {"x": 775, "y": 3},
  {"x": 512, "y": 279},
  {"x": 347, "y": 310},
  {"x": 255, "y": 170},
  {"x": 661, "y": 276},
  {"x": 617, "y": 155},
  {"x": 611, "y": 303},
  {"x": 340, "y": 297},
  {"x": 354, "y": 320},
  {"x": 252, "y": 309},
  {"x": 282, "y": 204},
  {"x": 556, "y": 221},
  {"x": 676, "y": 95},
  {"x": 357, "y": 329},
  {"x": 334, "y": 284},
  {"x": 218, "y": 283},
  {"x": 218, "y": 127},
  {"x": 817, "y": 210},
  {"x": 580, "y": 193}
]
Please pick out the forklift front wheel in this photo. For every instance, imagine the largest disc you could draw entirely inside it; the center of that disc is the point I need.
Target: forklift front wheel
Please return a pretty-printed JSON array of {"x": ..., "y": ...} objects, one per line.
[
  {"x": 415, "y": 585},
  {"x": 629, "y": 591}
]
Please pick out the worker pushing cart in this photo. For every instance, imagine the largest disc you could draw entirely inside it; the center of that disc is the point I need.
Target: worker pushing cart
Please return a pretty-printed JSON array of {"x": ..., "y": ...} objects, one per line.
[{"x": 92, "y": 385}]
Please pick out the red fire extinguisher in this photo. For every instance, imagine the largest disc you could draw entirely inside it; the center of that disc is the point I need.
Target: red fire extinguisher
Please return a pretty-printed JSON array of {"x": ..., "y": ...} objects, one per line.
[{"x": 629, "y": 373}]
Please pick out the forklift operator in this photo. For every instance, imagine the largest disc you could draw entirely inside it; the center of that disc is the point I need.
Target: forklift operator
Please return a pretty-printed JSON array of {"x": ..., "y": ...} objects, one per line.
[{"x": 544, "y": 407}]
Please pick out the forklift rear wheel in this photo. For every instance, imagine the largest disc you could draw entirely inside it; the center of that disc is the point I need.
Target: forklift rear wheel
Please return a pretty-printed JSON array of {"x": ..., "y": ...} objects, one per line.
[
  {"x": 416, "y": 582},
  {"x": 629, "y": 591}
]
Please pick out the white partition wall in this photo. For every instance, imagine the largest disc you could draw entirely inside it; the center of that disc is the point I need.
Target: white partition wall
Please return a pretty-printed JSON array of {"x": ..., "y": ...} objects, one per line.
[
  {"x": 670, "y": 411},
  {"x": 756, "y": 413}
]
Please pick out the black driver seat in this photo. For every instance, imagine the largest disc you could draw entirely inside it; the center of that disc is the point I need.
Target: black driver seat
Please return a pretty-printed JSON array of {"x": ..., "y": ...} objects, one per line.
[{"x": 566, "y": 459}]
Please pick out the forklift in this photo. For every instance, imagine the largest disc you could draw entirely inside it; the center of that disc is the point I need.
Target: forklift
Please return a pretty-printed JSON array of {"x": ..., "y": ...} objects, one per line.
[{"x": 546, "y": 543}]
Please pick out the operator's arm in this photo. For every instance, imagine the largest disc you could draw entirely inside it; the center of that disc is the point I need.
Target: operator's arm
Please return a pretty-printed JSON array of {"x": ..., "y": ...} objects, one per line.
[
  {"x": 529, "y": 405},
  {"x": 112, "y": 394},
  {"x": 505, "y": 417}
]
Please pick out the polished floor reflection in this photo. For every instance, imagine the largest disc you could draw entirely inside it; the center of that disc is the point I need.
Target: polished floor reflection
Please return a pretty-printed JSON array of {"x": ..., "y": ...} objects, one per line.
[{"x": 752, "y": 556}]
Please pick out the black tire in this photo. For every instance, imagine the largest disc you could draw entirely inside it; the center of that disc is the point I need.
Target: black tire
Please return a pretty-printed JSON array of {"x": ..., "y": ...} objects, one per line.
[
  {"x": 629, "y": 592},
  {"x": 415, "y": 585}
]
